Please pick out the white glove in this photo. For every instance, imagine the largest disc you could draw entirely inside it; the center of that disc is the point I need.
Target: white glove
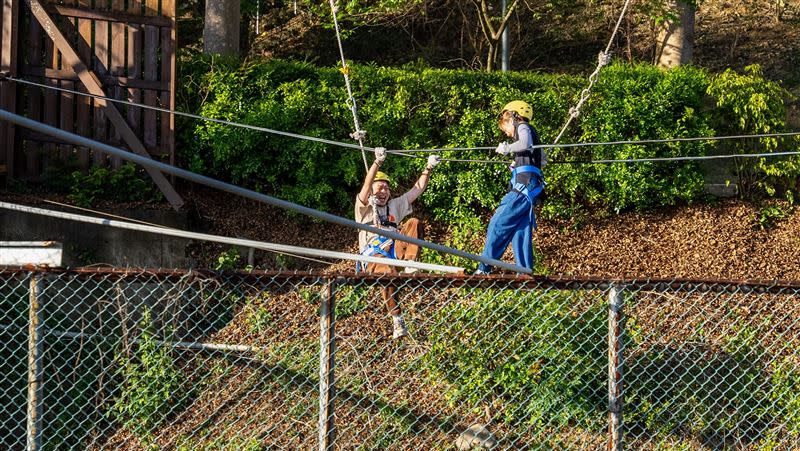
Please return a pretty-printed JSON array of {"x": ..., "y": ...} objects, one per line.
[
  {"x": 433, "y": 160},
  {"x": 502, "y": 149},
  {"x": 380, "y": 155}
]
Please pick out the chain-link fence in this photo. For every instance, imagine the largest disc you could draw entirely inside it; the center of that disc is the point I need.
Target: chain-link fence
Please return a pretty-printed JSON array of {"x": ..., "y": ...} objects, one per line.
[{"x": 108, "y": 359}]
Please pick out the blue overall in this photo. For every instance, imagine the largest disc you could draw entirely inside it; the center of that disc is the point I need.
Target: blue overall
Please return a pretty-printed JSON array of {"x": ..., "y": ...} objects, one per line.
[
  {"x": 374, "y": 248},
  {"x": 513, "y": 220}
]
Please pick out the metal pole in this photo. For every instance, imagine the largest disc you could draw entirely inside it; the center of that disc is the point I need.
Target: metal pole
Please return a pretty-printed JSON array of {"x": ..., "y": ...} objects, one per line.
[
  {"x": 327, "y": 349},
  {"x": 504, "y": 42},
  {"x": 234, "y": 241},
  {"x": 249, "y": 194},
  {"x": 615, "y": 330},
  {"x": 35, "y": 353}
]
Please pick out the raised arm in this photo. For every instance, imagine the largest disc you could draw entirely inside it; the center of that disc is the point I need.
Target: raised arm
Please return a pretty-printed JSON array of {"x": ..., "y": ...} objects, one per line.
[
  {"x": 366, "y": 189},
  {"x": 422, "y": 181}
]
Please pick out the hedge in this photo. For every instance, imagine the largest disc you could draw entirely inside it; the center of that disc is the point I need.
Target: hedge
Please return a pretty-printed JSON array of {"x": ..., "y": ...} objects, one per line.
[{"x": 420, "y": 107}]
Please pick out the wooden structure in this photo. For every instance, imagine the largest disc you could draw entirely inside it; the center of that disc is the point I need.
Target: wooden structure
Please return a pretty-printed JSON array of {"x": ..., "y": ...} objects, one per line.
[{"x": 114, "y": 48}]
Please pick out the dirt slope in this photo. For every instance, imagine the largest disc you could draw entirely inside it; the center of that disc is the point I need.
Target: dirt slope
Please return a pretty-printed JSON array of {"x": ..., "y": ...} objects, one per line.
[
  {"x": 705, "y": 241},
  {"x": 697, "y": 242}
]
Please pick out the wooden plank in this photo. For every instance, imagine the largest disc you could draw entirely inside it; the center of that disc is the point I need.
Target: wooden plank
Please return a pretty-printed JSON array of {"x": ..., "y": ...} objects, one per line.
[
  {"x": 134, "y": 62},
  {"x": 117, "y": 67},
  {"x": 4, "y": 126},
  {"x": 102, "y": 35},
  {"x": 94, "y": 86},
  {"x": 31, "y": 136},
  {"x": 51, "y": 97},
  {"x": 67, "y": 111},
  {"x": 84, "y": 108},
  {"x": 67, "y": 115},
  {"x": 50, "y": 102},
  {"x": 150, "y": 72},
  {"x": 8, "y": 90},
  {"x": 33, "y": 151},
  {"x": 133, "y": 17},
  {"x": 168, "y": 75},
  {"x": 66, "y": 73}
]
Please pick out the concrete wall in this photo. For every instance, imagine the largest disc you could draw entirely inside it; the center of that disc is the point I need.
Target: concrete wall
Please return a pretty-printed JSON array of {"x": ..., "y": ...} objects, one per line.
[{"x": 89, "y": 244}]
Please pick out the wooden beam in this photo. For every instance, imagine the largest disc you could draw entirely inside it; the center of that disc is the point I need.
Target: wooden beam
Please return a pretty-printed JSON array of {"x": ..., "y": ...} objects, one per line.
[
  {"x": 38, "y": 137},
  {"x": 94, "y": 86},
  {"x": 8, "y": 91},
  {"x": 108, "y": 16},
  {"x": 169, "y": 40}
]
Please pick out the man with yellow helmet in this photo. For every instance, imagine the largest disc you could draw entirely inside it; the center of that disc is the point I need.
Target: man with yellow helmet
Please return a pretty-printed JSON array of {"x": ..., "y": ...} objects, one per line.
[
  {"x": 375, "y": 205},
  {"x": 514, "y": 218}
]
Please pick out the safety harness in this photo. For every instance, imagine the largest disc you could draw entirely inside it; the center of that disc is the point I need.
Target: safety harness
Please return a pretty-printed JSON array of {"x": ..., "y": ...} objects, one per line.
[
  {"x": 378, "y": 244},
  {"x": 534, "y": 190}
]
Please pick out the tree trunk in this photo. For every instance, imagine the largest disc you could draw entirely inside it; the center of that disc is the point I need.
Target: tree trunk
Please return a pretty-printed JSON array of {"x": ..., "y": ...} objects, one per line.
[
  {"x": 675, "y": 42},
  {"x": 221, "y": 27}
]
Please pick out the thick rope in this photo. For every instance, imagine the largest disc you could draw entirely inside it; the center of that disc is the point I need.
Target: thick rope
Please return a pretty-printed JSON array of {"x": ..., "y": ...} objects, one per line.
[
  {"x": 358, "y": 134},
  {"x": 602, "y": 60}
]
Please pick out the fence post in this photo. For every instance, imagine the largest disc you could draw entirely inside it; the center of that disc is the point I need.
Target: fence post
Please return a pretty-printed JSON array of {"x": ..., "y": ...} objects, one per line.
[
  {"x": 327, "y": 349},
  {"x": 615, "y": 330},
  {"x": 35, "y": 353}
]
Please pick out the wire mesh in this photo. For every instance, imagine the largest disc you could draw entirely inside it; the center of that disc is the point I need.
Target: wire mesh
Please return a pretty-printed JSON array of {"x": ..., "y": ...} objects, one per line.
[{"x": 199, "y": 360}]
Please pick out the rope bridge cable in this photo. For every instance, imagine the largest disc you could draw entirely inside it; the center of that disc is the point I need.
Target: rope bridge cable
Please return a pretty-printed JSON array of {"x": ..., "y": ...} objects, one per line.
[
  {"x": 201, "y": 118},
  {"x": 196, "y": 116},
  {"x": 602, "y": 60},
  {"x": 638, "y": 160},
  {"x": 405, "y": 152},
  {"x": 137, "y": 221},
  {"x": 357, "y": 134},
  {"x": 281, "y": 248},
  {"x": 610, "y": 143},
  {"x": 249, "y": 194}
]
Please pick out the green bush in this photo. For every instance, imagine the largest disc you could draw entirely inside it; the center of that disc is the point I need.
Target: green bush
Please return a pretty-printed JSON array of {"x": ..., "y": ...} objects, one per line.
[
  {"x": 732, "y": 393},
  {"x": 123, "y": 184},
  {"x": 748, "y": 104},
  {"x": 533, "y": 357},
  {"x": 419, "y": 107},
  {"x": 151, "y": 385}
]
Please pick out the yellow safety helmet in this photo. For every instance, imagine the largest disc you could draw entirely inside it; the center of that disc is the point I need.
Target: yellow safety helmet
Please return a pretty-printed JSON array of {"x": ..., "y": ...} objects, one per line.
[
  {"x": 382, "y": 177},
  {"x": 520, "y": 107}
]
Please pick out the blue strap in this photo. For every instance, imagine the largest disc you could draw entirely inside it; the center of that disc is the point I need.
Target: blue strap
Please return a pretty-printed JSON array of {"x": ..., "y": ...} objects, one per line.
[
  {"x": 525, "y": 169},
  {"x": 530, "y": 193},
  {"x": 374, "y": 247}
]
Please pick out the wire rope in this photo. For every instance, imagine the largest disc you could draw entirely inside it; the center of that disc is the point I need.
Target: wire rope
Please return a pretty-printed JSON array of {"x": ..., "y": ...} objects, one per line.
[
  {"x": 137, "y": 221},
  {"x": 358, "y": 134},
  {"x": 409, "y": 152},
  {"x": 612, "y": 143},
  {"x": 602, "y": 60},
  {"x": 195, "y": 116}
]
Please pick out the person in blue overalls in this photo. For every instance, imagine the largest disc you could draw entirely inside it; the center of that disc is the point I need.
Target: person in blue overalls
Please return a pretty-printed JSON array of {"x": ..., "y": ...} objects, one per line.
[{"x": 514, "y": 218}]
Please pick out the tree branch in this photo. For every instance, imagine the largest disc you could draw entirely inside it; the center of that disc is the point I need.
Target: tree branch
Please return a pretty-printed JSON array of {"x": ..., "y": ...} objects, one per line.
[{"x": 504, "y": 23}]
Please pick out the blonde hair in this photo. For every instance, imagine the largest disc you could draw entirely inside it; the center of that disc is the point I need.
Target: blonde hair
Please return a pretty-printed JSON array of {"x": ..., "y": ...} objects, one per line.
[{"x": 506, "y": 116}]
